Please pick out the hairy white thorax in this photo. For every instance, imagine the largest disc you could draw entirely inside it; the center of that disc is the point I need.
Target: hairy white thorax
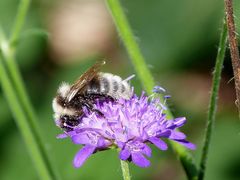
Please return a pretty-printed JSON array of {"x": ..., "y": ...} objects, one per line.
[{"x": 64, "y": 89}]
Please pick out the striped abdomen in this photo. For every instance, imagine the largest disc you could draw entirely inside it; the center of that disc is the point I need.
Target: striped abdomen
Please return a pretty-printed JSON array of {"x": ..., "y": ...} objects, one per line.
[{"x": 109, "y": 84}]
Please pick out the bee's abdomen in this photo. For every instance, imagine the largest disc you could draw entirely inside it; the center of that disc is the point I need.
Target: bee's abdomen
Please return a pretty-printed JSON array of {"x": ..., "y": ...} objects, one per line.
[
  {"x": 111, "y": 85},
  {"x": 114, "y": 86},
  {"x": 94, "y": 86}
]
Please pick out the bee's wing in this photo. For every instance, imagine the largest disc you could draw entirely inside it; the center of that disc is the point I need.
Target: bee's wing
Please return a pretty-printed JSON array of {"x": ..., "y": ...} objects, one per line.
[{"x": 84, "y": 79}]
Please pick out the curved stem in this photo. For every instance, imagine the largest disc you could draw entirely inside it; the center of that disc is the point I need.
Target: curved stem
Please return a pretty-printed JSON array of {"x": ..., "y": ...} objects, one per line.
[
  {"x": 15, "y": 79},
  {"x": 19, "y": 21},
  {"x": 213, "y": 100},
  {"x": 21, "y": 121},
  {"x": 125, "y": 170},
  {"x": 145, "y": 75},
  {"x": 131, "y": 45}
]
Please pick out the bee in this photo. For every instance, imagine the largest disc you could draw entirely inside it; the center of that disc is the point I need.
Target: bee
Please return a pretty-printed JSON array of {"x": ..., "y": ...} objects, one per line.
[{"x": 91, "y": 86}]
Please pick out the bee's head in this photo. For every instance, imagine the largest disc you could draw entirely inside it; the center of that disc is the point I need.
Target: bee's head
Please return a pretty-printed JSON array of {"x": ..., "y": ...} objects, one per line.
[{"x": 59, "y": 103}]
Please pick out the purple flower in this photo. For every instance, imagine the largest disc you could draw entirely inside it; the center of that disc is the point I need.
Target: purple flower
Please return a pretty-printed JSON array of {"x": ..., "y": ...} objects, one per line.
[{"x": 128, "y": 125}]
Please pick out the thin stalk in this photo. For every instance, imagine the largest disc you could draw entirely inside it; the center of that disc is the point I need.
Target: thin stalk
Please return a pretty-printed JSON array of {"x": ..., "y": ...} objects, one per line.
[
  {"x": 213, "y": 100},
  {"x": 131, "y": 45},
  {"x": 22, "y": 122},
  {"x": 145, "y": 76},
  {"x": 125, "y": 170},
  {"x": 233, "y": 43},
  {"x": 20, "y": 89},
  {"x": 19, "y": 20},
  {"x": 8, "y": 56},
  {"x": 29, "y": 111}
]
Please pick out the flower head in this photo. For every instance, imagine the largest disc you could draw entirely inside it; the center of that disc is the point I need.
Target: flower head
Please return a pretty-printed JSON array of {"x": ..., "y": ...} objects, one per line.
[{"x": 128, "y": 125}]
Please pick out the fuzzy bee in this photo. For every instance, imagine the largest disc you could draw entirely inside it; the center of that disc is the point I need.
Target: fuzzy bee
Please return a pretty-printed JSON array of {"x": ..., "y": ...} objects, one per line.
[{"x": 91, "y": 86}]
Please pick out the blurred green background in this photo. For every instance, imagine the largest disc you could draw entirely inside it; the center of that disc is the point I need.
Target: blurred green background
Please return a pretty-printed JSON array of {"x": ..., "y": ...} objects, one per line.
[{"x": 179, "y": 40}]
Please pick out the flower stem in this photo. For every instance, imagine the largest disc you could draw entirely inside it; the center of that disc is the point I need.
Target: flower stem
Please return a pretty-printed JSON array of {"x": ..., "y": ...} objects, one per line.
[
  {"x": 213, "y": 99},
  {"x": 145, "y": 75},
  {"x": 28, "y": 122},
  {"x": 31, "y": 117},
  {"x": 233, "y": 43},
  {"x": 19, "y": 21},
  {"x": 22, "y": 123},
  {"x": 125, "y": 170},
  {"x": 131, "y": 44}
]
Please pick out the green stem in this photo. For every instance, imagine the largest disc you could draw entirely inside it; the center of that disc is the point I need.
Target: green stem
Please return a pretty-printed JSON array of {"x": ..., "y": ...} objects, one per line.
[
  {"x": 213, "y": 99},
  {"x": 131, "y": 44},
  {"x": 22, "y": 123},
  {"x": 145, "y": 76},
  {"x": 125, "y": 170},
  {"x": 8, "y": 56},
  {"x": 28, "y": 109},
  {"x": 19, "y": 20}
]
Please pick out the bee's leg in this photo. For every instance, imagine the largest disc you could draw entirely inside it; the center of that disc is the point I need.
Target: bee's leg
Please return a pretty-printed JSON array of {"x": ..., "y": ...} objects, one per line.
[
  {"x": 98, "y": 112},
  {"x": 89, "y": 106},
  {"x": 101, "y": 97},
  {"x": 104, "y": 97}
]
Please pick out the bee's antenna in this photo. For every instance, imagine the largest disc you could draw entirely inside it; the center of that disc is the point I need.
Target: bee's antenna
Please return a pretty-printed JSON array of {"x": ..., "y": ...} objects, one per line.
[{"x": 129, "y": 78}]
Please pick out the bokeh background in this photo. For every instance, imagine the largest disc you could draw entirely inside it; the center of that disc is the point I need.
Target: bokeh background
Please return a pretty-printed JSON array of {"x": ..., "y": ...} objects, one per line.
[{"x": 179, "y": 38}]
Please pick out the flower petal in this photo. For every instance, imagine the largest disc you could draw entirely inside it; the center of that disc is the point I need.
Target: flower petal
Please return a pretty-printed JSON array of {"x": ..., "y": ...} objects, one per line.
[
  {"x": 140, "y": 160},
  {"x": 180, "y": 121},
  {"x": 176, "y": 123},
  {"x": 187, "y": 144},
  {"x": 147, "y": 150},
  {"x": 159, "y": 143},
  {"x": 165, "y": 133},
  {"x": 81, "y": 139},
  {"x": 61, "y": 136},
  {"x": 82, "y": 155},
  {"x": 124, "y": 154},
  {"x": 101, "y": 142},
  {"x": 177, "y": 135}
]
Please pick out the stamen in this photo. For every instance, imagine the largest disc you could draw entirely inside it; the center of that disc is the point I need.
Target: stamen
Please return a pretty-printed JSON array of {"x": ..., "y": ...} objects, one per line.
[{"x": 158, "y": 90}]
